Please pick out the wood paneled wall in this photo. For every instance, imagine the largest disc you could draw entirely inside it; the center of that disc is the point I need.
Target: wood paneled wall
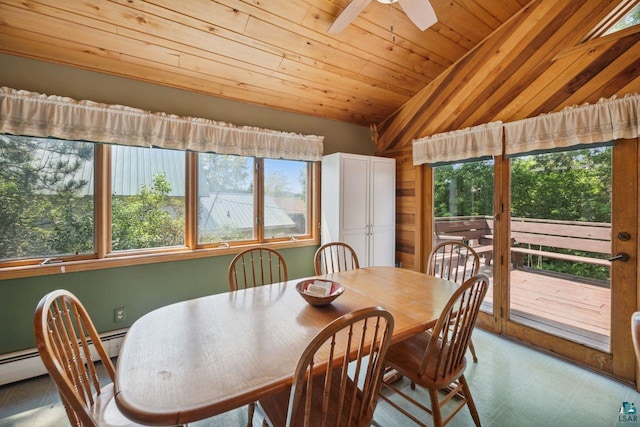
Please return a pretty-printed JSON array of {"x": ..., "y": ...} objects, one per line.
[{"x": 535, "y": 63}]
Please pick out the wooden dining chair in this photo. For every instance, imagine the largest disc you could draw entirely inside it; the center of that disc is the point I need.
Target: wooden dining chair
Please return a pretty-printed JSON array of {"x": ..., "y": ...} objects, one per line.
[
  {"x": 454, "y": 261},
  {"x": 335, "y": 256},
  {"x": 436, "y": 359},
  {"x": 256, "y": 267},
  {"x": 635, "y": 334},
  {"x": 64, "y": 332},
  {"x": 339, "y": 375}
]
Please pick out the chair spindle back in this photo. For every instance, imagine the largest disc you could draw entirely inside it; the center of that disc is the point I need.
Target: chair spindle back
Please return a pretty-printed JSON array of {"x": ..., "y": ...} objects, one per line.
[
  {"x": 362, "y": 338},
  {"x": 256, "y": 267},
  {"x": 64, "y": 331},
  {"x": 452, "y": 333},
  {"x": 335, "y": 256},
  {"x": 454, "y": 261}
]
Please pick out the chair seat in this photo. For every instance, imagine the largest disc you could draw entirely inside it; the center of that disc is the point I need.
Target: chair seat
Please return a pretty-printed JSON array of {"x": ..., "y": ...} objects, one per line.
[
  {"x": 106, "y": 413},
  {"x": 275, "y": 407},
  {"x": 406, "y": 357},
  {"x": 436, "y": 360}
]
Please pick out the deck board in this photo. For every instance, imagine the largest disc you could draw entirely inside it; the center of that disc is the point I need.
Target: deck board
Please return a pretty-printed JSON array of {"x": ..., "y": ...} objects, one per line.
[{"x": 576, "y": 310}]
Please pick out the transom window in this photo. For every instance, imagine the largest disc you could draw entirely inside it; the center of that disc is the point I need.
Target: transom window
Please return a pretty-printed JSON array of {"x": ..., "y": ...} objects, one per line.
[
  {"x": 629, "y": 20},
  {"x": 623, "y": 16}
]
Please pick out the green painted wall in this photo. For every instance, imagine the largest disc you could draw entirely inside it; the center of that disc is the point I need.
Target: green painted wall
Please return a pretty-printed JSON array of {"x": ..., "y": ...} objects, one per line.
[
  {"x": 139, "y": 289},
  {"x": 143, "y": 288}
]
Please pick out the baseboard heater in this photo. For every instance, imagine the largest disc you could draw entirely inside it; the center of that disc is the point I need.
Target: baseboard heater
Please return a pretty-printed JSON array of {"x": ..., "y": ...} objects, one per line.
[{"x": 26, "y": 364}]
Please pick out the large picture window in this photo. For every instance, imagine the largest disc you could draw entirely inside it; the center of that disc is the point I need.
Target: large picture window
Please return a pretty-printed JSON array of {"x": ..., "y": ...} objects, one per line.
[
  {"x": 116, "y": 185},
  {"x": 50, "y": 211}
]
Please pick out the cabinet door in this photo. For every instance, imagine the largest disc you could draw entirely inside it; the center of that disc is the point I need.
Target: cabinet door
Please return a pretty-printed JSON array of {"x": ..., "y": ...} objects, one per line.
[
  {"x": 355, "y": 200},
  {"x": 383, "y": 212},
  {"x": 355, "y": 205}
]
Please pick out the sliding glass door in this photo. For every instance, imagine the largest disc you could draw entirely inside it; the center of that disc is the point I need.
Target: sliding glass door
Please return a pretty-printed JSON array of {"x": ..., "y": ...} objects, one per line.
[
  {"x": 546, "y": 226},
  {"x": 570, "y": 267},
  {"x": 561, "y": 244},
  {"x": 463, "y": 211}
]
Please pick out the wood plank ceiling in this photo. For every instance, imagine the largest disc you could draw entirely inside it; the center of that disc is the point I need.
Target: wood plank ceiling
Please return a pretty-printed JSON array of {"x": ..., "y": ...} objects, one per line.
[
  {"x": 540, "y": 61},
  {"x": 275, "y": 53},
  {"x": 484, "y": 60}
]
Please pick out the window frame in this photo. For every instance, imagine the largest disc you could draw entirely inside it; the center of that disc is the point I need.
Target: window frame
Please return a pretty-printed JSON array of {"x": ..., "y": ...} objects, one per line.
[
  {"x": 103, "y": 257},
  {"x": 613, "y": 17},
  {"x": 259, "y": 197}
]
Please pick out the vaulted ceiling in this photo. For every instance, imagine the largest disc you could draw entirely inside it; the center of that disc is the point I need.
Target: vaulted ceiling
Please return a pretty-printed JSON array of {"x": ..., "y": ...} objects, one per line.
[
  {"x": 484, "y": 60},
  {"x": 540, "y": 61},
  {"x": 276, "y": 53}
]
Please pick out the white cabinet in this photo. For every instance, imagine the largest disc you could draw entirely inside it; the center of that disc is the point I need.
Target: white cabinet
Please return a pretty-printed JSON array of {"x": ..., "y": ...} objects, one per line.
[{"x": 358, "y": 206}]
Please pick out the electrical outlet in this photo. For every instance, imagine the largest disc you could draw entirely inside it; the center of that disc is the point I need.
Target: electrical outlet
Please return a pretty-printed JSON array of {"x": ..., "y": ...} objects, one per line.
[{"x": 119, "y": 314}]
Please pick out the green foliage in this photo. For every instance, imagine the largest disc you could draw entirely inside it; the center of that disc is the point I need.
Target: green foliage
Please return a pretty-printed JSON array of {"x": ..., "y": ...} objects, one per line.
[
  {"x": 72, "y": 232},
  {"x": 464, "y": 189},
  {"x": 276, "y": 183},
  {"x": 225, "y": 173},
  {"x": 42, "y": 211},
  {"x": 148, "y": 219},
  {"x": 629, "y": 20},
  {"x": 572, "y": 185}
]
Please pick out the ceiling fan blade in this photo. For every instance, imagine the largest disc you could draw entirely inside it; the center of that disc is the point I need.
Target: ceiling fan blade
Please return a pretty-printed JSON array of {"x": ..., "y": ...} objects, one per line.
[
  {"x": 349, "y": 13},
  {"x": 420, "y": 12}
]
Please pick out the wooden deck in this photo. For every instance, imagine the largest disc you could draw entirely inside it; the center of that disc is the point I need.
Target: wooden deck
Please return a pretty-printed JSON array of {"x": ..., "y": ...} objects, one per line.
[{"x": 577, "y": 311}]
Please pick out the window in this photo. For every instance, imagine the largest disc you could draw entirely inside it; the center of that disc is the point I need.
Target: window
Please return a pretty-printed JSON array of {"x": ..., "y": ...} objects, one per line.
[
  {"x": 464, "y": 189},
  {"x": 570, "y": 189},
  {"x": 48, "y": 207},
  {"x": 46, "y": 197},
  {"x": 463, "y": 210},
  {"x": 560, "y": 238},
  {"x": 147, "y": 198},
  {"x": 625, "y": 14},
  {"x": 285, "y": 198},
  {"x": 229, "y": 208},
  {"x": 226, "y": 198},
  {"x": 84, "y": 185},
  {"x": 629, "y": 20}
]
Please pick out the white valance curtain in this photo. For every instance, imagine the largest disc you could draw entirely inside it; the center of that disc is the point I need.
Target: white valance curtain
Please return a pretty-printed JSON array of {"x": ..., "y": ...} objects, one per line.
[
  {"x": 470, "y": 143},
  {"x": 33, "y": 114},
  {"x": 607, "y": 120}
]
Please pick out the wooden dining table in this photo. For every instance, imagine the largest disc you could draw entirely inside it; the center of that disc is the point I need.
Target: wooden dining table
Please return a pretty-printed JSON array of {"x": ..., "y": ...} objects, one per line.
[{"x": 195, "y": 359}]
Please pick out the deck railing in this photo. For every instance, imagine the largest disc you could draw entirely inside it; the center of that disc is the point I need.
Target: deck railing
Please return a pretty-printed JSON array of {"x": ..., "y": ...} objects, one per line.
[{"x": 535, "y": 240}]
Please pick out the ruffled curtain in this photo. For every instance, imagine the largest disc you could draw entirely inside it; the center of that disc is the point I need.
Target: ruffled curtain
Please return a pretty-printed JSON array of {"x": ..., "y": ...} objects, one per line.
[
  {"x": 607, "y": 120},
  {"x": 33, "y": 114},
  {"x": 470, "y": 143}
]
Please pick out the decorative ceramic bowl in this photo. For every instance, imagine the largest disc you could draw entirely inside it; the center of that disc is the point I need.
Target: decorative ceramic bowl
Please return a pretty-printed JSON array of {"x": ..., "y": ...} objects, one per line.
[{"x": 335, "y": 291}]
